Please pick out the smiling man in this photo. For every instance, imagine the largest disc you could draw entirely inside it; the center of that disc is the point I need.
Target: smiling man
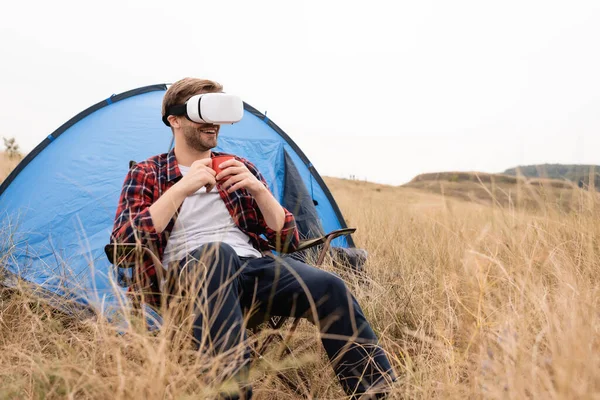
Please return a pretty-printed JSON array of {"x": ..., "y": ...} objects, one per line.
[{"x": 208, "y": 229}]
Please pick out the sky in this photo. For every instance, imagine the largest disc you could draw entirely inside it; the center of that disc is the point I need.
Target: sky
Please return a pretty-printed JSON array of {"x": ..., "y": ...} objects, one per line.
[{"x": 379, "y": 90}]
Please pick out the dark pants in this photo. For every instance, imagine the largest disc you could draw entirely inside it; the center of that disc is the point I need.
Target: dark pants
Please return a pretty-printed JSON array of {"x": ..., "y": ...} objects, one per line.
[{"x": 227, "y": 285}]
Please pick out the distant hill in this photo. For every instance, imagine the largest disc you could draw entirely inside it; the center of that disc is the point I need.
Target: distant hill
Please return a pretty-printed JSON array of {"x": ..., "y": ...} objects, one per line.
[
  {"x": 501, "y": 189},
  {"x": 579, "y": 174}
]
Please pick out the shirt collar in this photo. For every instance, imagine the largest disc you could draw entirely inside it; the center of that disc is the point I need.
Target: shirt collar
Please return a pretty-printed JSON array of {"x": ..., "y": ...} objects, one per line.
[{"x": 173, "y": 171}]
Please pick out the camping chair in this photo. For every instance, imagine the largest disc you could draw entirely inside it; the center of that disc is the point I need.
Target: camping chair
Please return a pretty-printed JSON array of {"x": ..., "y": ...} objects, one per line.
[{"x": 126, "y": 255}]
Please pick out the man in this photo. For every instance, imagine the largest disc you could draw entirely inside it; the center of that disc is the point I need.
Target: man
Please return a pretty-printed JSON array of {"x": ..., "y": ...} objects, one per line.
[{"x": 206, "y": 228}]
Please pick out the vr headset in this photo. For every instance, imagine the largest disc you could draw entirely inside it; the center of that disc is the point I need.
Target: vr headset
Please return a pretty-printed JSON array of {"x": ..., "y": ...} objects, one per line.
[{"x": 209, "y": 108}]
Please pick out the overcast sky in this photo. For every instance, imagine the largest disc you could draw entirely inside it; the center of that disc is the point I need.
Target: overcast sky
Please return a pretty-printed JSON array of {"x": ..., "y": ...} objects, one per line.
[{"x": 380, "y": 90}]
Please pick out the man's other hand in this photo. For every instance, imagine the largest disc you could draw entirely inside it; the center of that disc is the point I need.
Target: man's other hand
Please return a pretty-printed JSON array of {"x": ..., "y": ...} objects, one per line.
[{"x": 235, "y": 175}]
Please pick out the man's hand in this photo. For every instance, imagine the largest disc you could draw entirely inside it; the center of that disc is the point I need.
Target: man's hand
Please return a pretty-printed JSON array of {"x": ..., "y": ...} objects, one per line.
[
  {"x": 200, "y": 175},
  {"x": 237, "y": 176}
]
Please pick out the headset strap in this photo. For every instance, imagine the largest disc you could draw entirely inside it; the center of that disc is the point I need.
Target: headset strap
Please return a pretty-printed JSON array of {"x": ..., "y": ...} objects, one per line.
[{"x": 180, "y": 109}]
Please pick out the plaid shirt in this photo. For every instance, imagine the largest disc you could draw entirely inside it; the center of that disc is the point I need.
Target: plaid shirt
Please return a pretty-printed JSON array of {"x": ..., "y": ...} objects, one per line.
[{"x": 146, "y": 182}]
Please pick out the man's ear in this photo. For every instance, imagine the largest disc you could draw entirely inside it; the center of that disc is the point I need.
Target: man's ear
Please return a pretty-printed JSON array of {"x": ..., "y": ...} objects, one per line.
[{"x": 174, "y": 121}]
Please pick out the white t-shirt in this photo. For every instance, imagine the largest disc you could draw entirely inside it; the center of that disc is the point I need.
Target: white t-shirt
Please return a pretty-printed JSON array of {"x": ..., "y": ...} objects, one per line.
[{"x": 204, "y": 218}]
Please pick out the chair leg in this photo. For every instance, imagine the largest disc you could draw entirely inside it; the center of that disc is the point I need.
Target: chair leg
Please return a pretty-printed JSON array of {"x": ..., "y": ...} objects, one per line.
[
  {"x": 275, "y": 323},
  {"x": 324, "y": 251},
  {"x": 304, "y": 388},
  {"x": 301, "y": 390},
  {"x": 288, "y": 351},
  {"x": 290, "y": 383}
]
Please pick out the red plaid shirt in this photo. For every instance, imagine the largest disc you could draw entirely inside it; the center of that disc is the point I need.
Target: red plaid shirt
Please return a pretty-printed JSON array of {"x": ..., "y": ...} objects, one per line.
[{"x": 147, "y": 181}]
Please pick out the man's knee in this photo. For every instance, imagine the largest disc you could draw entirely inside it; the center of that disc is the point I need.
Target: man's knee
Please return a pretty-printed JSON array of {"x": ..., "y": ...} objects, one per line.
[
  {"x": 335, "y": 286},
  {"x": 321, "y": 284},
  {"x": 331, "y": 297},
  {"x": 325, "y": 287}
]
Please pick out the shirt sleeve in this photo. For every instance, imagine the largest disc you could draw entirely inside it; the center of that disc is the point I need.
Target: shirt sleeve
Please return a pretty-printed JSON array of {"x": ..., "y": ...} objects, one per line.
[
  {"x": 133, "y": 222},
  {"x": 288, "y": 238}
]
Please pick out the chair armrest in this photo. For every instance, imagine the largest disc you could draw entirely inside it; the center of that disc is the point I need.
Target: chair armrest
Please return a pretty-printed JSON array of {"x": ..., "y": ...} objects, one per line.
[
  {"x": 308, "y": 243},
  {"x": 122, "y": 253},
  {"x": 127, "y": 254}
]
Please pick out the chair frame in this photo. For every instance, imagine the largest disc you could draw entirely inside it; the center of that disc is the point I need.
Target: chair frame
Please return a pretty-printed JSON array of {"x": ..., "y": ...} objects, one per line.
[
  {"x": 118, "y": 253},
  {"x": 124, "y": 251},
  {"x": 121, "y": 254}
]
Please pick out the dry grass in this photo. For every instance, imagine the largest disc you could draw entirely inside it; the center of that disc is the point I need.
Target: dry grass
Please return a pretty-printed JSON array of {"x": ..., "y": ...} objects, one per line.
[
  {"x": 470, "y": 300},
  {"x": 7, "y": 165},
  {"x": 480, "y": 301}
]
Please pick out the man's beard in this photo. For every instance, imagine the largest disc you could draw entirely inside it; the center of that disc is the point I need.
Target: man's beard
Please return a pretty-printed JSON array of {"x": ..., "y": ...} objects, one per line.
[{"x": 198, "y": 141}]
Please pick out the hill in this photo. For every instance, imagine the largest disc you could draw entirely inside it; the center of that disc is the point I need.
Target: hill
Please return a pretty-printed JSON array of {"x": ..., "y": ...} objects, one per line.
[
  {"x": 499, "y": 189},
  {"x": 576, "y": 173}
]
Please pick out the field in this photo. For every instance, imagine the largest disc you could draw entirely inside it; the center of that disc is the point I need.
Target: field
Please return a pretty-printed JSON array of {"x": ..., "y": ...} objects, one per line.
[{"x": 471, "y": 298}]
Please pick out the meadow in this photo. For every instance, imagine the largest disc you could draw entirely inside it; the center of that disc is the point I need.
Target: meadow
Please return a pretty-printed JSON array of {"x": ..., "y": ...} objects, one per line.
[{"x": 471, "y": 299}]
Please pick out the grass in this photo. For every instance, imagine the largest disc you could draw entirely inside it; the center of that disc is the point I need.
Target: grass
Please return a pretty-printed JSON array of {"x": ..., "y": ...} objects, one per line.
[
  {"x": 8, "y": 164},
  {"x": 470, "y": 299},
  {"x": 479, "y": 300}
]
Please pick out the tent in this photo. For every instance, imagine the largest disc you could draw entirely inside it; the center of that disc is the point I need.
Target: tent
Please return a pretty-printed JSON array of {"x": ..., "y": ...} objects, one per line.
[{"x": 58, "y": 206}]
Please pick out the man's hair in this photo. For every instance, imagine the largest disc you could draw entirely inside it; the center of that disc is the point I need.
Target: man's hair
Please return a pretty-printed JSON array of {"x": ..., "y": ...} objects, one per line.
[{"x": 183, "y": 89}]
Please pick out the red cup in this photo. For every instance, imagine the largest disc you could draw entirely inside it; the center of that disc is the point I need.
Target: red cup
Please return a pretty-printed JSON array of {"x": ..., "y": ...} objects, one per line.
[{"x": 218, "y": 160}]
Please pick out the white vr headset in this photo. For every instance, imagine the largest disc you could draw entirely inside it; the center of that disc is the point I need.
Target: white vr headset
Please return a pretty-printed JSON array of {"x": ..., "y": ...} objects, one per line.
[{"x": 209, "y": 108}]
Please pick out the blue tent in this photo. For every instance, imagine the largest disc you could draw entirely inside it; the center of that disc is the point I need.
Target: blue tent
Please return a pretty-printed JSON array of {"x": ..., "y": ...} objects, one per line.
[{"x": 58, "y": 206}]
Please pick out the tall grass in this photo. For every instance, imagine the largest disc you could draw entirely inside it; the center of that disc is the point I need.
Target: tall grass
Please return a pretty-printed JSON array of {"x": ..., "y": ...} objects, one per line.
[
  {"x": 482, "y": 301},
  {"x": 469, "y": 300}
]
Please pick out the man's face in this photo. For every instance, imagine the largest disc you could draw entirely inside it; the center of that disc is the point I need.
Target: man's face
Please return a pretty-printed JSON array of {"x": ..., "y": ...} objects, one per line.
[{"x": 200, "y": 137}]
